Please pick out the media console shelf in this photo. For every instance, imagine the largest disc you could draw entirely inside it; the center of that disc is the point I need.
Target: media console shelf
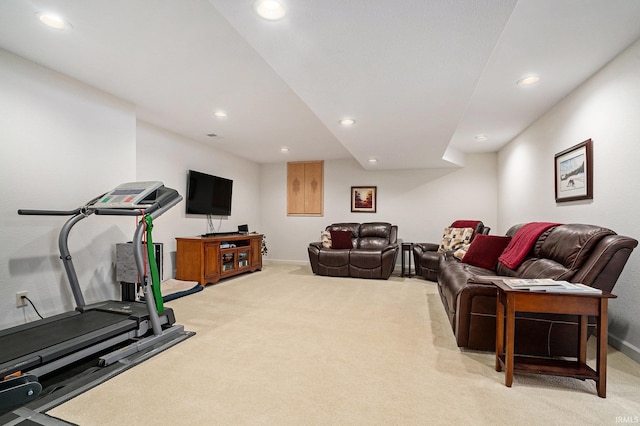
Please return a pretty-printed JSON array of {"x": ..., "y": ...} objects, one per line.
[{"x": 209, "y": 259}]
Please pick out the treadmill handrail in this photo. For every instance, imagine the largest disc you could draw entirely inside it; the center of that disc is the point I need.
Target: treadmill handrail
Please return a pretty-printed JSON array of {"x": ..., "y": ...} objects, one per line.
[{"x": 39, "y": 212}]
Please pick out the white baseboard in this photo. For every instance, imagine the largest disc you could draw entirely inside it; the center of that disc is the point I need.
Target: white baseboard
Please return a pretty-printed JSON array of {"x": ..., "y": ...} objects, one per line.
[
  {"x": 625, "y": 347},
  {"x": 398, "y": 267},
  {"x": 288, "y": 262}
]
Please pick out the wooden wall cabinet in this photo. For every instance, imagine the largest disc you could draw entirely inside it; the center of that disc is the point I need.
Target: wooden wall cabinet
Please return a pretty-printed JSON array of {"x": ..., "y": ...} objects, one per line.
[
  {"x": 305, "y": 188},
  {"x": 206, "y": 260}
]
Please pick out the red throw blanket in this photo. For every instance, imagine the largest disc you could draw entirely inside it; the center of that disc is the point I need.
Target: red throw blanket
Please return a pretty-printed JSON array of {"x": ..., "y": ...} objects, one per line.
[{"x": 521, "y": 243}]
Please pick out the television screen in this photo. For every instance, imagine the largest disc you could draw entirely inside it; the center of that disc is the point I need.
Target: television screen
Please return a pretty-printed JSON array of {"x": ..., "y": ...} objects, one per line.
[{"x": 207, "y": 194}]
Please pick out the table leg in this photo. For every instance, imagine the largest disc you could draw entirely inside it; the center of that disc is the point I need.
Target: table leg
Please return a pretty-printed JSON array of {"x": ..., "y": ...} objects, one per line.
[
  {"x": 509, "y": 341},
  {"x": 601, "y": 357},
  {"x": 499, "y": 329},
  {"x": 582, "y": 340}
]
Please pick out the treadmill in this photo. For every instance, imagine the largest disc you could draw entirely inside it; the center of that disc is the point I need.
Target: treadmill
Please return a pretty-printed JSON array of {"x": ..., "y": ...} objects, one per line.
[{"x": 113, "y": 329}]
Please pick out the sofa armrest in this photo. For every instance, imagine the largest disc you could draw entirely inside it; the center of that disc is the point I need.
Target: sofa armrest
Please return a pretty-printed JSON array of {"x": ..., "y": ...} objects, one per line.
[
  {"x": 393, "y": 246},
  {"x": 316, "y": 244},
  {"x": 485, "y": 279},
  {"x": 314, "y": 253},
  {"x": 476, "y": 298},
  {"x": 426, "y": 247}
]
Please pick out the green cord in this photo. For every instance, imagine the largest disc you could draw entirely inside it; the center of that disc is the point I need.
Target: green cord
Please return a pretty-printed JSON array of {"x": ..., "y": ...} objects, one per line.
[{"x": 153, "y": 266}]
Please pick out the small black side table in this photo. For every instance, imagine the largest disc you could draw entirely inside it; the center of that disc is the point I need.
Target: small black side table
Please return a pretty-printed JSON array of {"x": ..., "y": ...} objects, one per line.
[{"x": 406, "y": 248}]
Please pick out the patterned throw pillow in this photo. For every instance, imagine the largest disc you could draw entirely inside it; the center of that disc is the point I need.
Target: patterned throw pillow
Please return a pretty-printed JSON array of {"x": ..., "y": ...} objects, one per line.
[
  {"x": 455, "y": 238},
  {"x": 459, "y": 254},
  {"x": 325, "y": 237}
]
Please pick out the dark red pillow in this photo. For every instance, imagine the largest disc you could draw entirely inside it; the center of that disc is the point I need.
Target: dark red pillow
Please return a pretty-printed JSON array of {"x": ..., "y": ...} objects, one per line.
[
  {"x": 341, "y": 240},
  {"x": 485, "y": 250}
]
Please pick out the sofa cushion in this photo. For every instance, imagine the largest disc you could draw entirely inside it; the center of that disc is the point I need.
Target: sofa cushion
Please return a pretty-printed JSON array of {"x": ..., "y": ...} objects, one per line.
[
  {"x": 334, "y": 263},
  {"x": 341, "y": 239},
  {"x": 374, "y": 235},
  {"x": 346, "y": 226},
  {"x": 454, "y": 238},
  {"x": 485, "y": 250},
  {"x": 571, "y": 245},
  {"x": 365, "y": 259}
]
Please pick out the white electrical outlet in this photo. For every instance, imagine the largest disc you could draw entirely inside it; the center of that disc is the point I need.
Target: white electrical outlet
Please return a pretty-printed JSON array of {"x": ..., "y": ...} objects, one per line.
[{"x": 21, "y": 299}]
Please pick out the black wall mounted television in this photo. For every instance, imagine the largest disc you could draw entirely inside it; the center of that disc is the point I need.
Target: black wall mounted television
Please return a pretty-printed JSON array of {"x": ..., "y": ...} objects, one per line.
[{"x": 208, "y": 194}]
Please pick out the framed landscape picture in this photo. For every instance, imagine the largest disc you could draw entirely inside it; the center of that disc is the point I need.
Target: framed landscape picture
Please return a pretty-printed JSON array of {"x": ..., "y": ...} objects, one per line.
[
  {"x": 363, "y": 199},
  {"x": 574, "y": 173}
]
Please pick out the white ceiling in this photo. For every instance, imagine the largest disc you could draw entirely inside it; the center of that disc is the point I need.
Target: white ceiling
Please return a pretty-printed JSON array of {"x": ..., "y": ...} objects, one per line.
[{"x": 421, "y": 78}]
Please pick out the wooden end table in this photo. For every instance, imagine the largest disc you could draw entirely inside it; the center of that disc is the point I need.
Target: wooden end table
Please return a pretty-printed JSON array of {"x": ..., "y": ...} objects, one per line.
[{"x": 511, "y": 301}]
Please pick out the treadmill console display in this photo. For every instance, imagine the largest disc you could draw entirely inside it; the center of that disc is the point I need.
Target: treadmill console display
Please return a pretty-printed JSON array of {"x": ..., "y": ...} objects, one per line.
[{"x": 128, "y": 196}]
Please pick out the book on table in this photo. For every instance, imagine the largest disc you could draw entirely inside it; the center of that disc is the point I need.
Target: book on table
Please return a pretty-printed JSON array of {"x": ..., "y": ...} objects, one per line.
[{"x": 549, "y": 285}]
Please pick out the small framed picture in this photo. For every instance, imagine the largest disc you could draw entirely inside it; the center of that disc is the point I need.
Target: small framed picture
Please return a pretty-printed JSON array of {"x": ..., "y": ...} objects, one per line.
[
  {"x": 363, "y": 199},
  {"x": 574, "y": 173}
]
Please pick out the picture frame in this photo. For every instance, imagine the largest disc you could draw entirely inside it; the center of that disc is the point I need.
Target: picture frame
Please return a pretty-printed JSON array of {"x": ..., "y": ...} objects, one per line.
[
  {"x": 364, "y": 199},
  {"x": 574, "y": 173}
]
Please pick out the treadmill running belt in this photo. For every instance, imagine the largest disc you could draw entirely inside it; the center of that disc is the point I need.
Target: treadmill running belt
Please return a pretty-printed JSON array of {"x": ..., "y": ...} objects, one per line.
[{"x": 36, "y": 339}]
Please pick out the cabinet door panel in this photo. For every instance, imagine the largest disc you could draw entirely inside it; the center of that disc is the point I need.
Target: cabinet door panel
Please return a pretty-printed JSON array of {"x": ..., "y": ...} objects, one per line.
[
  {"x": 305, "y": 188},
  {"x": 256, "y": 253},
  {"x": 295, "y": 188},
  {"x": 313, "y": 188},
  {"x": 211, "y": 260}
]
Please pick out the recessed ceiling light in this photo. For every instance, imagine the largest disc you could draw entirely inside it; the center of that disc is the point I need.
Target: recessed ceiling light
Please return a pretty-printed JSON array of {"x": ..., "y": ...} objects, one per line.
[
  {"x": 528, "y": 80},
  {"x": 220, "y": 114},
  {"x": 481, "y": 137},
  {"x": 347, "y": 122},
  {"x": 270, "y": 9},
  {"x": 53, "y": 21},
  {"x": 284, "y": 149},
  {"x": 373, "y": 160}
]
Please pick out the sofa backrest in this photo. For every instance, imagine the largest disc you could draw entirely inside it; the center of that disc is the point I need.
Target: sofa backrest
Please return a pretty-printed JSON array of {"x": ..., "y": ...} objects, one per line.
[
  {"x": 376, "y": 235},
  {"x": 371, "y": 235},
  {"x": 583, "y": 253},
  {"x": 347, "y": 226}
]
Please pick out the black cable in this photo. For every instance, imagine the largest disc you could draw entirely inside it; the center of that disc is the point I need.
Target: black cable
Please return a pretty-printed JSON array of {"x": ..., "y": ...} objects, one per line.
[{"x": 34, "y": 306}]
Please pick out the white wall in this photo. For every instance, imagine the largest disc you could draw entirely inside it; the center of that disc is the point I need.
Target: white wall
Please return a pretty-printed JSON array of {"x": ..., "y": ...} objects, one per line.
[
  {"x": 64, "y": 143},
  {"x": 420, "y": 202},
  {"x": 606, "y": 109},
  {"x": 166, "y": 156}
]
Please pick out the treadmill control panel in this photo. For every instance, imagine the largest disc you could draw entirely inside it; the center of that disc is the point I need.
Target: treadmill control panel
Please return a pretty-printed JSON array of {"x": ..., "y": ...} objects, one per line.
[{"x": 128, "y": 196}]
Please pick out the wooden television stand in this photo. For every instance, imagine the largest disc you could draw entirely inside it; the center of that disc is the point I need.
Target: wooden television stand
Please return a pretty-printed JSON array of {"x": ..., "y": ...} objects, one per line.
[{"x": 209, "y": 259}]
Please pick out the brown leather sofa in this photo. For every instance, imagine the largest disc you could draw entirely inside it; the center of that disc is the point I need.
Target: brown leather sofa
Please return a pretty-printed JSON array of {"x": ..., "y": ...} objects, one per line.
[
  {"x": 372, "y": 255},
  {"x": 573, "y": 252},
  {"x": 426, "y": 256}
]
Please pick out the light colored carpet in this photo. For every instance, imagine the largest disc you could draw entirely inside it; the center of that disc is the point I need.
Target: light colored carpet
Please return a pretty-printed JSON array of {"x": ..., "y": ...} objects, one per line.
[{"x": 284, "y": 347}]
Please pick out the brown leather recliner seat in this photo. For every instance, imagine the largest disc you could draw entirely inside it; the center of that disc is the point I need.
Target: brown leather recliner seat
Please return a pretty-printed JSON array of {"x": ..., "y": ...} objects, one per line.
[
  {"x": 588, "y": 254},
  {"x": 426, "y": 256},
  {"x": 372, "y": 255}
]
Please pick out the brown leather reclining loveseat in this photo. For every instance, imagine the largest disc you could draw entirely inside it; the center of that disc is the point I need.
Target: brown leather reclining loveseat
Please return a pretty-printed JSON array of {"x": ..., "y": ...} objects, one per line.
[
  {"x": 574, "y": 252},
  {"x": 370, "y": 253}
]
